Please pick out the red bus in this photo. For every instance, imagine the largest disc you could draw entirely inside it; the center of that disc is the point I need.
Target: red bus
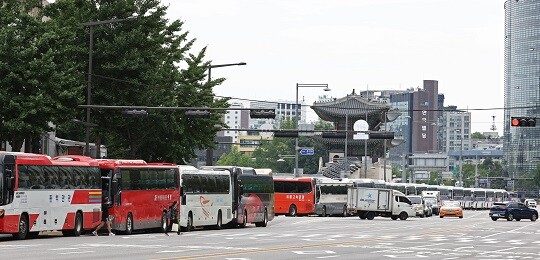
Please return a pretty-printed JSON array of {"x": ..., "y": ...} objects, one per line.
[
  {"x": 140, "y": 192},
  {"x": 294, "y": 196},
  {"x": 42, "y": 194}
]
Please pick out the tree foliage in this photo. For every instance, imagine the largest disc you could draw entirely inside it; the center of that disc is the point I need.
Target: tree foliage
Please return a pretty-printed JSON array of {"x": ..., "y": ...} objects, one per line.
[
  {"x": 478, "y": 135},
  {"x": 147, "y": 61},
  {"x": 37, "y": 82},
  {"x": 278, "y": 154},
  {"x": 488, "y": 169},
  {"x": 323, "y": 125},
  {"x": 236, "y": 158}
]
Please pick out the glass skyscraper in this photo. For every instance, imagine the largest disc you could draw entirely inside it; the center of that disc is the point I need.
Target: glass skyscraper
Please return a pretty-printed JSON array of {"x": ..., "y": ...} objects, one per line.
[{"x": 521, "y": 84}]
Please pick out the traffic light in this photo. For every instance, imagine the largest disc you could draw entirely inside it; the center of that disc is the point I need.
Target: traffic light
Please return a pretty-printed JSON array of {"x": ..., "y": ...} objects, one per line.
[
  {"x": 285, "y": 133},
  {"x": 198, "y": 113},
  {"x": 381, "y": 135},
  {"x": 333, "y": 135},
  {"x": 135, "y": 113},
  {"x": 523, "y": 121},
  {"x": 262, "y": 113}
]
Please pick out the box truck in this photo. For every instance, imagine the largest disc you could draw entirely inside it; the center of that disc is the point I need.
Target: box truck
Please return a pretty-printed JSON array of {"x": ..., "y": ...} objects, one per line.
[
  {"x": 433, "y": 200},
  {"x": 370, "y": 202}
]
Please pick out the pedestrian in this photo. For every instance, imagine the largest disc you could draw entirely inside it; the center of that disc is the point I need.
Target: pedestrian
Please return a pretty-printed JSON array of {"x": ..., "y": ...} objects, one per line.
[
  {"x": 104, "y": 218},
  {"x": 172, "y": 217}
]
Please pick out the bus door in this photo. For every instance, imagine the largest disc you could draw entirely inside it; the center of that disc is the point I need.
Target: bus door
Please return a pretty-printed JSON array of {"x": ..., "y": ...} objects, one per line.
[
  {"x": 314, "y": 189},
  {"x": 7, "y": 179},
  {"x": 108, "y": 185},
  {"x": 235, "y": 192},
  {"x": 317, "y": 194}
]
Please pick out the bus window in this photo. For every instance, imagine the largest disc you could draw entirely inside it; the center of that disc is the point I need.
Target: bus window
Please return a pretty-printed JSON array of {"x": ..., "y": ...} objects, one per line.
[
  {"x": 24, "y": 180},
  {"x": 35, "y": 174}
]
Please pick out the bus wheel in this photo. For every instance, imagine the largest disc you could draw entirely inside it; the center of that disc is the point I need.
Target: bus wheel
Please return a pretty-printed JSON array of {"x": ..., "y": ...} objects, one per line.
[
  {"x": 264, "y": 223},
  {"x": 394, "y": 217},
  {"x": 403, "y": 215},
  {"x": 78, "y": 228},
  {"x": 345, "y": 211},
  {"x": 219, "y": 223},
  {"x": 189, "y": 223},
  {"x": 129, "y": 224},
  {"x": 164, "y": 224},
  {"x": 292, "y": 210},
  {"x": 370, "y": 215},
  {"x": 23, "y": 228}
]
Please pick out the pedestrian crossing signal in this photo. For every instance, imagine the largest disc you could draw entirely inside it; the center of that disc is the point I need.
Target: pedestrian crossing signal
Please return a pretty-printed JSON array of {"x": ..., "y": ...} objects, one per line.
[{"x": 523, "y": 121}]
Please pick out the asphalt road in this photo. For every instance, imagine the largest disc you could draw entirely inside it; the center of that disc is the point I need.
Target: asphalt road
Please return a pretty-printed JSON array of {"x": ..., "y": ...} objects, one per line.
[{"x": 475, "y": 236}]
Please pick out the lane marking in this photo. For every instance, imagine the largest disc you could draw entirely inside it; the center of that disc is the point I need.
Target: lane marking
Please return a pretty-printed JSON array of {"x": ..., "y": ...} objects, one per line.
[
  {"x": 77, "y": 252},
  {"x": 509, "y": 231}
]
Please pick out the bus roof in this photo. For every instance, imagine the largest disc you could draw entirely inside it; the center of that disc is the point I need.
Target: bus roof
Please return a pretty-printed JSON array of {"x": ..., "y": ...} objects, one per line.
[
  {"x": 41, "y": 159},
  {"x": 298, "y": 179}
]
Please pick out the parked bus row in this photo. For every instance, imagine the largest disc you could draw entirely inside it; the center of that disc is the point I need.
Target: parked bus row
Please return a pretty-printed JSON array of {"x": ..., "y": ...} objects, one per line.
[
  {"x": 39, "y": 193},
  {"x": 324, "y": 196}
]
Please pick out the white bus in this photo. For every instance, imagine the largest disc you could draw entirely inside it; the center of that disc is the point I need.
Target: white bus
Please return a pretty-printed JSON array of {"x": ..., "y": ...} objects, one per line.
[
  {"x": 206, "y": 199},
  {"x": 331, "y": 196},
  {"x": 42, "y": 194},
  {"x": 479, "y": 199}
]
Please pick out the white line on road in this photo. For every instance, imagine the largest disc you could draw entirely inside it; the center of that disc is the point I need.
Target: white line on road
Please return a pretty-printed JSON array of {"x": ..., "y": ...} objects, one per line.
[
  {"x": 513, "y": 230},
  {"x": 330, "y": 256},
  {"x": 78, "y": 252},
  {"x": 64, "y": 248}
]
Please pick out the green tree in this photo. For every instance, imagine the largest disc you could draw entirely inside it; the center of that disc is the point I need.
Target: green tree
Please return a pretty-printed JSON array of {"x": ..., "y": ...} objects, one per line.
[
  {"x": 36, "y": 83},
  {"x": 468, "y": 175},
  {"x": 236, "y": 158},
  {"x": 268, "y": 155},
  {"x": 478, "y": 135},
  {"x": 323, "y": 125},
  {"x": 396, "y": 172},
  {"x": 434, "y": 178},
  {"x": 146, "y": 61}
]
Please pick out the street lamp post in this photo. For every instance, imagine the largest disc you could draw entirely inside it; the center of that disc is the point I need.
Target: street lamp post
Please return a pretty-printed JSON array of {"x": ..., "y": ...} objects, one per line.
[
  {"x": 210, "y": 151},
  {"x": 296, "y": 105},
  {"x": 365, "y": 152},
  {"x": 91, "y": 25},
  {"x": 389, "y": 116},
  {"x": 346, "y": 131},
  {"x": 460, "y": 178}
]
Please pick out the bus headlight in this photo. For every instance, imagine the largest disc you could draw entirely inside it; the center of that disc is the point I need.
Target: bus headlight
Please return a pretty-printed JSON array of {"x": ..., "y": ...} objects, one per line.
[{"x": 1, "y": 213}]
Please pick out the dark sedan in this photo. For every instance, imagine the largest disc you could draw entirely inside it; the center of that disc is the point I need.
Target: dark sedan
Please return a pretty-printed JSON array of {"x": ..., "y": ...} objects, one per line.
[{"x": 511, "y": 211}]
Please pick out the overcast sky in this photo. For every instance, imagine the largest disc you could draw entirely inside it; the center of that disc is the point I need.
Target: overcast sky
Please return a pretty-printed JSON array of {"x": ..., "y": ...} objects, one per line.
[{"x": 354, "y": 44}]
